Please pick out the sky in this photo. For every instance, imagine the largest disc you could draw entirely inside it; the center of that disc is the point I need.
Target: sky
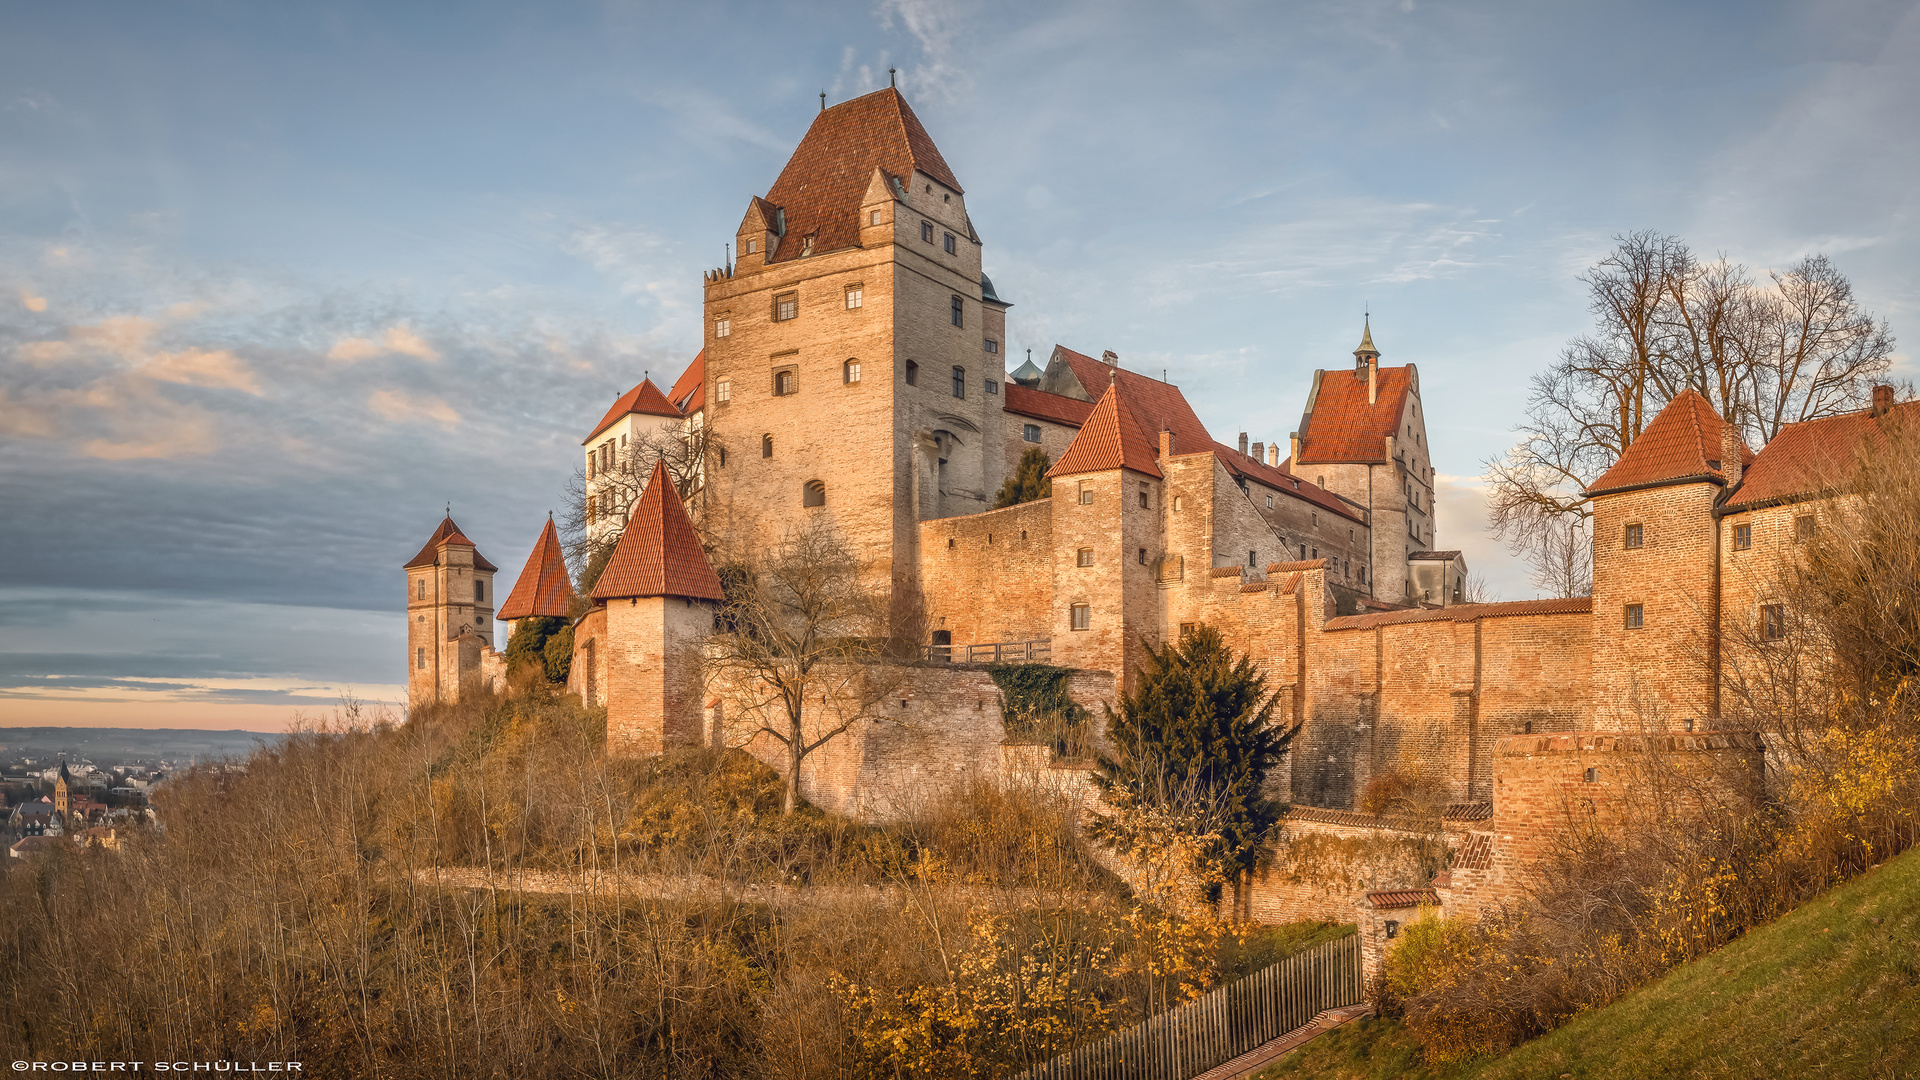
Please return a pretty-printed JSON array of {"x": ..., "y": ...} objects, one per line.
[{"x": 278, "y": 283}]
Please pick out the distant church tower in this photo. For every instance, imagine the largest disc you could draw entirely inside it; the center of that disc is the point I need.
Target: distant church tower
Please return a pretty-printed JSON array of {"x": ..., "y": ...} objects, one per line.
[
  {"x": 62, "y": 793},
  {"x": 854, "y": 350},
  {"x": 449, "y": 616}
]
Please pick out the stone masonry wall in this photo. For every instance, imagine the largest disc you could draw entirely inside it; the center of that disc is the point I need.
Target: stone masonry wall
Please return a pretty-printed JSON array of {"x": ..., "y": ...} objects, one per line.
[
  {"x": 1654, "y": 675},
  {"x": 987, "y": 577}
]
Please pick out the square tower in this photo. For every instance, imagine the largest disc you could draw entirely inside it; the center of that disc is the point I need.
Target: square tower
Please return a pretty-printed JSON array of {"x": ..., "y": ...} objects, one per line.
[
  {"x": 449, "y": 616},
  {"x": 847, "y": 364}
]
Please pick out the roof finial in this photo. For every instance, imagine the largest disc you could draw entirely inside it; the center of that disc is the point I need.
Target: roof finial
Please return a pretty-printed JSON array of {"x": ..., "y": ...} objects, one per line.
[
  {"x": 823, "y": 101},
  {"x": 449, "y": 507},
  {"x": 890, "y": 79}
]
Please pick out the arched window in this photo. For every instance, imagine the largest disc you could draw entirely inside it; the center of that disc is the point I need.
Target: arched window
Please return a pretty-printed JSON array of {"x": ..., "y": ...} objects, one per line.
[
  {"x": 814, "y": 494},
  {"x": 766, "y": 445},
  {"x": 850, "y": 371},
  {"x": 959, "y": 382}
]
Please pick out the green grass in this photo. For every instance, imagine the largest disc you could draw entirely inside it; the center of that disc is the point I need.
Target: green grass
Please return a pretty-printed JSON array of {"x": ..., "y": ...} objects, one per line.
[{"x": 1831, "y": 990}]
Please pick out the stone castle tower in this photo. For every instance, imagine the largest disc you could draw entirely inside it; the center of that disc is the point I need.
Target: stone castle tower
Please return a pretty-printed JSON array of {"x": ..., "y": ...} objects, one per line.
[
  {"x": 449, "y": 616},
  {"x": 854, "y": 350}
]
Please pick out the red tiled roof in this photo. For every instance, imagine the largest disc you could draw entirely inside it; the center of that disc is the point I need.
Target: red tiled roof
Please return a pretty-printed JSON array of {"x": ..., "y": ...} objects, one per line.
[
  {"x": 1057, "y": 408},
  {"x": 645, "y": 398},
  {"x": 1814, "y": 457},
  {"x": 1110, "y": 439},
  {"x": 658, "y": 553},
  {"x": 1463, "y": 613},
  {"x": 543, "y": 588},
  {"x": 1468, "y": 811},
  {"x": 1298, "y": 564},
  {"x": 687, "y": 388},
  {"x": 1682, "y": 443},
  {"x": 1343, "y": 428},
  {"x": 1475, "y": 854},
  {"x": 1160, "y": 406},
  {"x": 447, "y": 533},
  {"x": 1353, "y": 819},
  {"x": 827, "y": 176},
  {"x": 1389, "y": 899},
  {"x": 1433, "y": 556}
]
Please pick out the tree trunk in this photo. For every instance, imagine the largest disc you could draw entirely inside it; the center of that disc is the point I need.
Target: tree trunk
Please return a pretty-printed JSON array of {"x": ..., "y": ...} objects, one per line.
[{"x": 794, "y": 754}]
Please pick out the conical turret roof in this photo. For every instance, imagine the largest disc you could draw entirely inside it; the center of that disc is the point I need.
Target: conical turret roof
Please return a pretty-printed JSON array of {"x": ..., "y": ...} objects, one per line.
[
  {"x": 544, "y": 588},
  {"x": 658, "y": 553},
  {"x": 1366, "y": 340}
]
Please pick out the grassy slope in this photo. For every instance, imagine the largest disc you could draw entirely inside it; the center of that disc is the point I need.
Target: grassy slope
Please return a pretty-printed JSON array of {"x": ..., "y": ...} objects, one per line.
[{"x": 1826, "y": 991}]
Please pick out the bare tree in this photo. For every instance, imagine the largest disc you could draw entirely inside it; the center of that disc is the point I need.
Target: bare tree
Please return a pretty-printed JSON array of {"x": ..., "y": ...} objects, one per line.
[
  {"x": 1666, "y": 322},
  {"x": 803, "y": 647},
  {"x": 599, "y": 498}
]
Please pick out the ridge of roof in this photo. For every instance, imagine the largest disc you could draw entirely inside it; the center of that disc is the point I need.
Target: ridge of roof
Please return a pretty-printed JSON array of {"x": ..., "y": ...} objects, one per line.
[
  {"x": 1110, "y": 439},
  {"x": 1056, "y": 408},
  {"x": 543, "y": 587},
  {"x": 1344, "y": 428},
  {"x": 658, "y": 553},
  {"x": 447, "y": 533},
  {"x": 645, "y": 398},
  {"x": 690, "y": 384},
  {"x": 1682, "y": 443},
  {"x": 823, "y": 183},
  {"x": 1811, "y": 458}
]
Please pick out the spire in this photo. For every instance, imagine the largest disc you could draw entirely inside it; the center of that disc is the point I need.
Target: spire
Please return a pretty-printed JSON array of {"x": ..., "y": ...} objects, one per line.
[
  {"x": 658, "y": 553},
  {"x": 543, "y": 588},
  {"x": 1366, "y": 352}
]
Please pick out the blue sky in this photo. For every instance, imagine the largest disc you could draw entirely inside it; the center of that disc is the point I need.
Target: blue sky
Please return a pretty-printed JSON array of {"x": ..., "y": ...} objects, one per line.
[{"x": 277, "y": 282}]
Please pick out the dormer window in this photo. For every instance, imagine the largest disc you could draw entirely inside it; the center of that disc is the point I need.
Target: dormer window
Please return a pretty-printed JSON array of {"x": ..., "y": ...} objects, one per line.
[
  {"x": 873, "y": 218},
  {"x": 753, "y": 246}
]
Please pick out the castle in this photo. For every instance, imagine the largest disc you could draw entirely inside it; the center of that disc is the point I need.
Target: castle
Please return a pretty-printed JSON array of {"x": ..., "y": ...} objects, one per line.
[{"x": 853, "y": 369}]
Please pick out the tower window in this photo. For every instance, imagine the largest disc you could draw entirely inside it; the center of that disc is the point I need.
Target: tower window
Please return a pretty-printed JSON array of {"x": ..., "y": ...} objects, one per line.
[
  {"x": 850, "y": 371},
  {"x": 992, "y": 346},
  {"x": 1143, "y": 556},
  {"x": 959, "y": 312},
  {"x": 1773, "y": 622},
  {"x": 1179, "y": 503},
  {"x": 1636, "y": 535},
  {"x": 1742, "y": 537},
  {"x": 873, "y": 218},
  {"x": 854, "y": 294},
  {"x": 783, "y": 383},
  {"x": 1083, "y": 557},
  {"x": 420, "y": 593},
  {"x": 992, "y": 387},
  {"x": 926, "y": 231},
  {"x": 766, "y": 445},
  {"x": 1144, "y": 504},
  {"x": 420, "y": 658},
  {"x": 723, "y": 391},
  {"x": 814, "y": 494},
  {"x": 913, "y": 373},
  {"x": 479, "y": 592},
  {"x": 722, "y": 327},
  {"x": 1086, "y": 494},
  {"x": 1636, "y": 616},
  {"x": 1269, "y": 502},
  {"x": 1081, "y": 615},
  {"x": 959, "y": 382},
  {"x": 1250, "y": 557},
  {"x": 786, "y": 306},
  {"x": 948, "y": 244},
  {"x": 1030, "y": 432}
]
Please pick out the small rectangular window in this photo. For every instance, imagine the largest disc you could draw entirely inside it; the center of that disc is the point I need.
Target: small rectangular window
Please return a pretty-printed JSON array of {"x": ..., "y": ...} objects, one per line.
[
  {"x": 723, "y": 391},
  {"x": 1635, "y": 534},
  {"x": 853, "y": 297},
  {"x": 1030, "y": 432},
  {"x": 959, "y": 382},
  {"x": 1636, "y": 616},
  {"x": 420, "y": 593},
  {"x": 873, "y": 218},
  {"x": 1143, "y": 556},
  {"x": 1269, "y": 502},
  {"x": 783, "y": 383},
  {"x": 1144, "y": 505},
  {"x": 853, "y": 371},
  {"x": 992, "y": 387},
  {"x": 959, "y": 312},
  {"x": 479, "y": 592},
  {"x": 1082, "y": 616},
  {"x": 786, "y": 306},
  {"x": 1592, "y": 775},
  {"x": 1086, "y": 494},
  {"x": 913, "y": 373},
  {"x": 1188, "y": 628},
  {"x": 420, "y": 658},
  {"x": 593, "y": 514},
  {"x": 993, "y": 346},
  {"x": 926, "y": 231},
  {"x": 1083, "y": 557},
  {"x": 1773, "y": 622},
  {"x": 1742, "y": 537},
  {"x": 948, "y": 244},
  {"x": 722, "y": 327},
  {"x": 753, "y": 246},
  {"x": 1803, "y": 528}
]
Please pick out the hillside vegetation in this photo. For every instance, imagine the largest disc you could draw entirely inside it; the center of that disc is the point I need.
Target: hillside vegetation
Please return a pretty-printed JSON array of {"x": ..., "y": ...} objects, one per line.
[{"x": 1830, "y": 990}]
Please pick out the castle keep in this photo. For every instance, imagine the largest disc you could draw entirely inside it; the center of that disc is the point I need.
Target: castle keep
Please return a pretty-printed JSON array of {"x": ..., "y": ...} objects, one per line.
[{"x": 853, "y": 371}]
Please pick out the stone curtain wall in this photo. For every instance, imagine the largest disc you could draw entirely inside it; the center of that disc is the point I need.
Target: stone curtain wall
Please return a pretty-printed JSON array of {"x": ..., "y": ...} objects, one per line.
[{"x": 988, "y": 577}]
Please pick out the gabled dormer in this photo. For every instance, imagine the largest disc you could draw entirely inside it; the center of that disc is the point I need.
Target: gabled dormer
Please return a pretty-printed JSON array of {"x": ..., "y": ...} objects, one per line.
[{"x": 760, "y": 233}]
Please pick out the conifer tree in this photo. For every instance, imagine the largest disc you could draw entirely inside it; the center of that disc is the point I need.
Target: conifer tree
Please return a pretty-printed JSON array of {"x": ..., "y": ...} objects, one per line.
[
  {"x": 1028, "y": 482},
  {"x": 1192, "y": 744}
]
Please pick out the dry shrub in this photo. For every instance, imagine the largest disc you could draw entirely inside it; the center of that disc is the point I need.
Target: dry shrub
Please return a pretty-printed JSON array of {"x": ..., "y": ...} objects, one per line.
[{"x": 1417, "y": 791}]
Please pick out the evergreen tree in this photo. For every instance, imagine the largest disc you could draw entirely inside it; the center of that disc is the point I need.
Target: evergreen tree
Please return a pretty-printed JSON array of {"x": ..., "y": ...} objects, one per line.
[
  {"x": 1028, "y": 482},
  {"x": 533, "y": 642},
  {"x": 1193, "y": 743}
]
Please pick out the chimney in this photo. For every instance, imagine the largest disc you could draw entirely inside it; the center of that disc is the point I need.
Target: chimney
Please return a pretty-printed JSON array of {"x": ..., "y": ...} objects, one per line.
[
  {"x": 1273, "y": 455},
  {"x": 1166, "y": 443},
  {"x": 1882, "y": 399},
  {"x": 1110, "y": 358},
  {"x": 1731, "y": 457},
  {"x": 1259, "y": 451},
  {"x": 1373, "y": 381},
  {"x": 1243, "y": 444},
  {"x": 1293, "y": 459}
]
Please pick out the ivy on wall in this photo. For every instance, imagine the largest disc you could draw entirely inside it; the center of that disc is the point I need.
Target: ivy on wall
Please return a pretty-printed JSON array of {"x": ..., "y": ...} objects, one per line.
[{"x": 1038, "y": 710}]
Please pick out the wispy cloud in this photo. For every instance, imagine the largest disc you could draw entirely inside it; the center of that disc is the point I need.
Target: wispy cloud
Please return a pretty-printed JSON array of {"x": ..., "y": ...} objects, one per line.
[
  {"x": 398, "y": 339},
  {"x": 938, "y": 27},
  {"x": 403, "y": 408}
]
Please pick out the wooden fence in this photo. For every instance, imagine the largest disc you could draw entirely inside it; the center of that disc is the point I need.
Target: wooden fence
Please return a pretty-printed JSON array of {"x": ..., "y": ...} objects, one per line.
[{"x": 1208, "y": 1032}]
